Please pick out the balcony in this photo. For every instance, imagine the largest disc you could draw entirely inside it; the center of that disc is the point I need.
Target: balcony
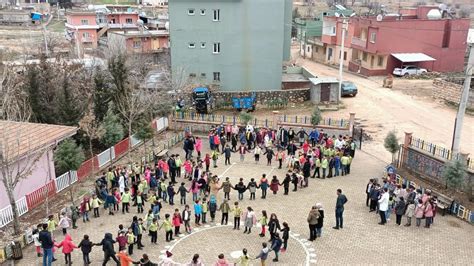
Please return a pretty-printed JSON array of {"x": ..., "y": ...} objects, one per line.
[
  {"x": 359, "y": 43},
  {"x": 329, "y": 39}
]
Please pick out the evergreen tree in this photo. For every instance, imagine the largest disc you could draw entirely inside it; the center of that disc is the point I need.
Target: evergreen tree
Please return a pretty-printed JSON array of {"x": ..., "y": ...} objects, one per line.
[
  {"x": 102, "y": 95},
  {"x": 316, "y": 116},
  {"x": 114, "y": 131},
  {"x": 454, "y": 174},
  {"x": 144, "y": 132},
  {"x": 69, "y": 108},
  {"x": 391, "y": 144},
  {"x": 68, "y": 156},
  {"x": 119, "y": 72}
]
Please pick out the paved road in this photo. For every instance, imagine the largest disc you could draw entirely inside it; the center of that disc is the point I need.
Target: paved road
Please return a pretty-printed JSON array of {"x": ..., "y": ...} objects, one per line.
[
  {"x": 382, "y": 110},
  {"x": 361, "y": 241}
]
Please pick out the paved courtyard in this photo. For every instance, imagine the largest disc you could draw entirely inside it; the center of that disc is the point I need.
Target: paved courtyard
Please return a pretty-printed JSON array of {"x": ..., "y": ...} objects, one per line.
[{"x": 362, "y": 241}]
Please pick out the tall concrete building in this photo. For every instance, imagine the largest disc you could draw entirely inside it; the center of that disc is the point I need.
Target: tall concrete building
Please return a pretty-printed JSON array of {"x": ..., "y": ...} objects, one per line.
[{"x": 238, "y": 45}]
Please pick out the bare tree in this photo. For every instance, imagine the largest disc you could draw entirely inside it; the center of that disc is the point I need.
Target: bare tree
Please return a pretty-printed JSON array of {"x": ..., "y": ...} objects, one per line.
[
  {"x": 92, "y": 129},
  {"x": 16, "y": 165},
  {"x": 14, "y": 103}
]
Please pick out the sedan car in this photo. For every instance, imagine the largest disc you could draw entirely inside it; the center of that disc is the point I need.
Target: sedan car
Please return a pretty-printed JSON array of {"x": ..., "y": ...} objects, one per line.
[
  {"x": 409, "y": 70},
  {"x": 348, "y": 89}
]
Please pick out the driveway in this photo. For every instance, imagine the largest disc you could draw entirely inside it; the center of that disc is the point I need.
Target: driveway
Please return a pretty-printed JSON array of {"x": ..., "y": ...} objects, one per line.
[{"x": 380, "y": 110}]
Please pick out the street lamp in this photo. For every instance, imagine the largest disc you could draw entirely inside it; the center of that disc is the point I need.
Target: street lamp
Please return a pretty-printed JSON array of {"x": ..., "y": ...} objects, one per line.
[{"x": 345, "y": 22}]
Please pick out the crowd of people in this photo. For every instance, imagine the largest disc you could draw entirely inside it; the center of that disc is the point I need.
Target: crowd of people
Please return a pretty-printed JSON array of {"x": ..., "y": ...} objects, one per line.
[
  {"x": 389, "y": 197},
  {"x": 148, "y": 187}
]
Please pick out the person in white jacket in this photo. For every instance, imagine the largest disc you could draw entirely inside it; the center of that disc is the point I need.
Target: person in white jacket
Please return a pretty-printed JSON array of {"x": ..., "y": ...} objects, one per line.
[{"x": 383, "y": 206}]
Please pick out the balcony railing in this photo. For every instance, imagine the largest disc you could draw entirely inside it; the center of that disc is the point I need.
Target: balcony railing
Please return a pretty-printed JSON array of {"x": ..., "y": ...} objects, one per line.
[{"x": 359, "y": 42}]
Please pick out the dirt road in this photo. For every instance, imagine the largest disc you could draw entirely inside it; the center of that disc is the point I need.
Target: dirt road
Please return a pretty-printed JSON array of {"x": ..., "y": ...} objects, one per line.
[{"x": 381, "y": 110}]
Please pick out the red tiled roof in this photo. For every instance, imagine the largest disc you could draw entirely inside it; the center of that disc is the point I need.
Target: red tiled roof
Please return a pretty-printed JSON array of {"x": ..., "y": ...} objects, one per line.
[{"x": 19, "y": 138}]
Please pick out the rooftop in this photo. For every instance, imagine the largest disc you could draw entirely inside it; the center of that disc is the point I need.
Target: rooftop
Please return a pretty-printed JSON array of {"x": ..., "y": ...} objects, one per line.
[
  {"x": 146, "y": 33},
  {"x": 19, "y": 138}
]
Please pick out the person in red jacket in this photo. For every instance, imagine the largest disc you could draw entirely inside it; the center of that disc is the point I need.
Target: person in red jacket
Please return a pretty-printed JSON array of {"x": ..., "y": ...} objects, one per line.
[{"x": 68, "y": 246}]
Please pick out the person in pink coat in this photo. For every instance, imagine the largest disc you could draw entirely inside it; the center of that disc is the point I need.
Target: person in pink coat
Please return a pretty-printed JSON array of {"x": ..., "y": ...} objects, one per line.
[
  {"x": 163, "y": 165},
  {"x": 428, "y": 213},
  {"x": 147, "y": 174},
  {"x": 68, "y": 246},
  {"x": 249, "y": 218},
  {"x": 188, "y": 169},
  {"x": 198, "y": 146},
  {"x": 419, "y": 211}
]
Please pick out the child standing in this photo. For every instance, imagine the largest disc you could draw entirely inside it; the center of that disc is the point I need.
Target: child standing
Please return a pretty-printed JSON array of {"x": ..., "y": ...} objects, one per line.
[
  {"x": 204, "y": 210},
  {"x": 153, "y": 229},
  {"x": 122, "y": 241},
  {"x": 215, "y": 156},
  {"x": 68, "y": 246},
  {"x": 236, "y": 211},
  {"x": 126, "y": 197},
  {"x": 252, "y": 187},
  {"x": 182, "y": 192},
  {"x": 85, "y": 208},
  {"x": 263, "y": 221},
  {"x": 276, "y": 246},
  {"x": 171, "y": 193},
  {"x": 264, "y": 185},
  {"x": 249, "y": 219},
  {"x": 95, "y": 205},
  {"x": 168, "y": 228},
  {"x": 285, "y": 236},
  {"x": 212, "y": 207},
  {"x": 86, "y": 248},
  {"x": 52, "y": 224},
  {"x": 139, "y": 201},
  {"x": 263, "y": 254},
  {"x": 257, "y": 151},
  {"x": 186, "y": 218},
  {"x": 177, "y": 221},
  {"x": 36, "y": 240},
  {"x": 224, "y": 208},
  {"x": 64, "y": 222},
  {"x": 130, "y": 240},
  {"x": 274, "y": 185},
  {"x": 74, "y": 216},
  {"x": 197, "y": 212}
]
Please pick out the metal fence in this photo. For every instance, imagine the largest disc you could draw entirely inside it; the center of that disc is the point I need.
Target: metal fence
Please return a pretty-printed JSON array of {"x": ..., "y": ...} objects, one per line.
[
  {"x": 438, "y": 151},
  {"x": 6, "y": 214},
  {"x": 35, "y": 198}
]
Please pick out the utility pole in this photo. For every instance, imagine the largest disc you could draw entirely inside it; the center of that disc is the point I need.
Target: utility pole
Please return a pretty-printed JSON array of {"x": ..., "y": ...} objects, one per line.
[
  {"x": 341, "y": 56},
  {"x": 46, "y": 50},
  {"x": 458, "y": 122}
]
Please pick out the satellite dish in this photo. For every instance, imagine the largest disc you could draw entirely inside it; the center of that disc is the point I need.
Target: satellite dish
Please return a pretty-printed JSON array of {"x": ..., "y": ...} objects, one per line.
[
  {"x": 140, "y": 22},
  {"x": 337, "y": 14},
  {"x": 443, "y": 7},
  {"x": 379, "y": 17},
  {"x": 90, "y": 7}
]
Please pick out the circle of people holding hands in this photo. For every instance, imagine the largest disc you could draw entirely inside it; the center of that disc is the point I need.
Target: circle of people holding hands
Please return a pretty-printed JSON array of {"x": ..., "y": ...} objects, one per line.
[{"x": 313, "y": 154}]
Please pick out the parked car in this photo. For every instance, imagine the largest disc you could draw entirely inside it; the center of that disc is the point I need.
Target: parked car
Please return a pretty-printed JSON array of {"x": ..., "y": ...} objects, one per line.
[
  {"x": 348, "y": 89},
  {"x": 409, "y": 70}
]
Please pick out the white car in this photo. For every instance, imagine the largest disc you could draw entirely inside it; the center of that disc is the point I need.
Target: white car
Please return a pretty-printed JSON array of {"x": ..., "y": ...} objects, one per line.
[{"x": 409, "y": 70}]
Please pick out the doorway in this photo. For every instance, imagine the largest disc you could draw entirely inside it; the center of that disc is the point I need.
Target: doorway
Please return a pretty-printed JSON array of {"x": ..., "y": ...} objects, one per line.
[{"x": 325, "y": 92}]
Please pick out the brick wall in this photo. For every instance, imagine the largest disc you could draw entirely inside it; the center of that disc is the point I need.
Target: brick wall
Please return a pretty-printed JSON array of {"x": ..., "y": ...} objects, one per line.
[{"x": 450, "y": 92}]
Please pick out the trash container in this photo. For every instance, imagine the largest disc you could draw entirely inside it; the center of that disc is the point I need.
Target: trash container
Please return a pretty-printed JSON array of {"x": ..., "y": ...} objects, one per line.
[{"x": 17, "y": 253}]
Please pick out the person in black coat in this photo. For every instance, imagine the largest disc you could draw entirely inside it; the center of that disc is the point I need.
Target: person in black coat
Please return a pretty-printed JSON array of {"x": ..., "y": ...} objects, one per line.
[
  {"x": 86, "y": 248},
  {"x": 173, "y": 168},
  {"x": 319, "y": 225},
  {"x": 47, "y": 244},
  {"x": 273, "y": 226},
  {"x": 306, "y": 171},
  {"x": 286, "y": 183},
  {"x": 294, "y": 180},
  {"x": 400, "y": 209},
  {"x": 291, "y": 149},
  {"x": 108, "y": 247}
]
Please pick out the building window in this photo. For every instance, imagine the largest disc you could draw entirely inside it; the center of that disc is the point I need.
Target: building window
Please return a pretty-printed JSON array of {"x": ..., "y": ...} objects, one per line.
[
  {"x": 191, "y": 11},
  {"x": 203, "y": 75},
  {"x": 333, "y": 30},
  {"x": 316, "y": 49},
  {"x": 373, "y": 35},
  {"x": 380, "y": 61},
  {"x": 372, "y": 61},
  {"x": 192, "y": 75},
  {"x": 84, "y": 22},
  {"x": 217, "y": 76},
  {"x": 137, "y": 44},
  {"x": 364, "y": 56},
  {"x": 345, "y": 56},
  {"x": 191, "y": 45},
  {"x": 203, "y": 12},
  {"x": 203, "y": 45},
  {"x": 216, "y": 14},
  {"x": 308, "y": 48},
  {"x": 86, "y": 35},
  {"x": 128, "y": 21},
  {"x": 216, "y": 48}
]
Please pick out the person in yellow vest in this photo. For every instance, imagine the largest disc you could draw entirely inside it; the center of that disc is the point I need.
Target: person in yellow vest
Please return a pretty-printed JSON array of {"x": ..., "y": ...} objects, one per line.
[
  {"x": 51, "y": 224},
  {"x": 130, "y": 240},
  {"x": 126, "y": 197},
  {"x": 236, "y": 211},
  {"x": 205, "y": 209},
  {"x": 344, "y": 163},
  {"x": 95, "y": 203},
  {"x": 324, "y": 166},
  {"x": 153, "y": 229},
  {"x": 317, "y": 166},
  {"x": 168, "y": 228}
]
